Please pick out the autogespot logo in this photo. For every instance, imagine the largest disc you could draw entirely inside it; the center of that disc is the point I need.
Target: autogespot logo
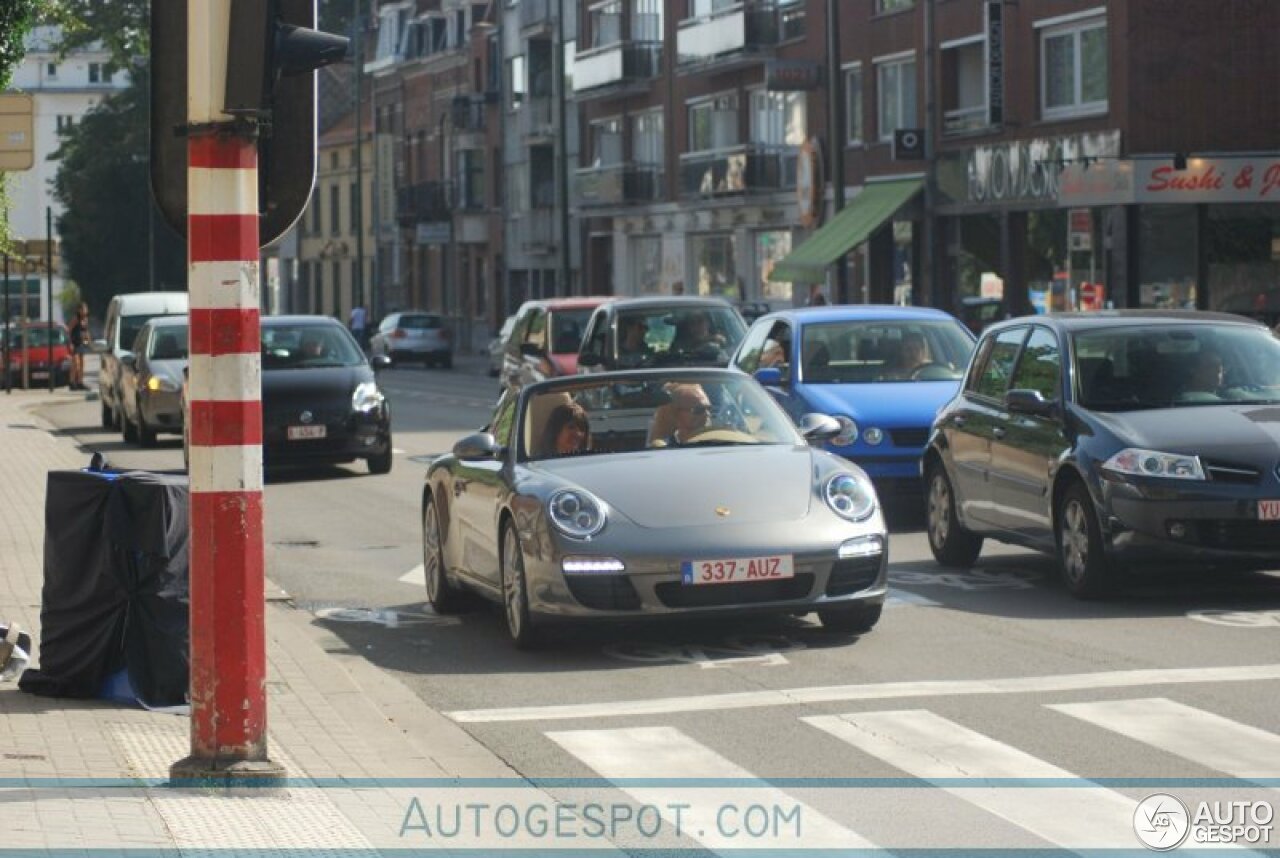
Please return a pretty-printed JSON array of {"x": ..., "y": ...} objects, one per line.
[{"x": 1161, "y": 822}]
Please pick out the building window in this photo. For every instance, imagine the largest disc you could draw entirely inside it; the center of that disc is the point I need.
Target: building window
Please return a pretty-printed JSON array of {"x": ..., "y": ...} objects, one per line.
[
  {"x": 647, "y": 140},
  {"x": 606, "y": 23},
  {"x": 778, "y": 118},
  {"x": 1073, "y": 70},
  {"x": 335, "y": 206},
  {"x": 517, "y": 84},
  {"x": 771, "y": 248},
  {"x": 646, "y": 265},
  {"x": 707, "y": 8},
  {"x": 51, "y": 70},
  {"x": 65, "y": 122},
  {"x": 472, "y": 179},
  {"x": 853, "y": 105},
  {"x": 646, "y": 21},
  {"x": 715, "y": 270},
  {"x": 713, "y": 123},
  {"x": 896, "y": 95},
  {"x": 964, "y": 87},
  {"x": 606, "y": 143},
  {"x": 791, "y": 19},
  {"x": 883, "y": 6},
  {"x": 353, "y": 204},
  {"x": 315, "y": 216}
]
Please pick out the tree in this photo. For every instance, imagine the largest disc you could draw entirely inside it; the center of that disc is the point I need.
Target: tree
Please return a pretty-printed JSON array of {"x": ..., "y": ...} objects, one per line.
[
  {"x": 15, "y": 20},
  {"x": 104, "y": 185},
  {"x": 122, "y": 26}
]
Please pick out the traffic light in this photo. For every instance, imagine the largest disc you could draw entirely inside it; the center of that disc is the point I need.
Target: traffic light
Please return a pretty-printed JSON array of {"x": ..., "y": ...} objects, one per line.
[{"x": 272, "y": 48}]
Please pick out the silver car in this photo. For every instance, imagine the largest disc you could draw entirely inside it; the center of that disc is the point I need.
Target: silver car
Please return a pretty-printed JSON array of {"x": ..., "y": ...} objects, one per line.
[
  {"x": 413, "y": 335},
  {"x": 572, "y": 504},
  {"x": 498, "y": 346},
  {"x": 151, "y": 380}
]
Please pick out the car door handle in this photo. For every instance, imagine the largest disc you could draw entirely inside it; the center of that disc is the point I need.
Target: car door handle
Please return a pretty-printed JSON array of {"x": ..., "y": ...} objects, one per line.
[{"x": 998, "y": 433}]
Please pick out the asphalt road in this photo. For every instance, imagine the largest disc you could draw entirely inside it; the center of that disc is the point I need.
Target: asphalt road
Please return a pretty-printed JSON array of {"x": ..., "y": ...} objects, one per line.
[{"x": 996, "y": 672}]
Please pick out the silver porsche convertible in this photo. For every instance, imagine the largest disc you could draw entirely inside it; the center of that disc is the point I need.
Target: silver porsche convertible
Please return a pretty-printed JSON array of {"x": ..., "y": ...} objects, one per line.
[{"x": 655, "y": 492}]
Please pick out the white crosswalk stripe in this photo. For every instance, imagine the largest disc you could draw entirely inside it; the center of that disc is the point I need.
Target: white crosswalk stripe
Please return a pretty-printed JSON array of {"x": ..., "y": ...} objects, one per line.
[
  {"x": 930, "y": 747},
  {"x": 1202, "y": 737},
  {"x": 668, "y": 754}
]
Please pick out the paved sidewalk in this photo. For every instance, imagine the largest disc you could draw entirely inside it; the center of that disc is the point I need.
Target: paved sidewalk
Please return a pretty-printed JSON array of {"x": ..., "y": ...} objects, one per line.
[{"x": 76, "y": 775}]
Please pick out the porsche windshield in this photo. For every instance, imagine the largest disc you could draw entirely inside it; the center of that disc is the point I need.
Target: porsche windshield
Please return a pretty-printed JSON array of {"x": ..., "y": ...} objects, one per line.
[{"x": 593, "y": 418}]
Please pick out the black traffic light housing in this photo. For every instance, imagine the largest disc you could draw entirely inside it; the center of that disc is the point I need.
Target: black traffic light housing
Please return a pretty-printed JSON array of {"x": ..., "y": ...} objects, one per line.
[{"x": 272, "y": 47}]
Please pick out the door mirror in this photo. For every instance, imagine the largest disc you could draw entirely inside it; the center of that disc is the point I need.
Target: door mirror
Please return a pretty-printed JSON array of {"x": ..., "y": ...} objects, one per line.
[
  {"x": 128, "y": 359},
  {"x": 380, "y": 362},
  {"x": 819, "y": 427},
  {"x": 770, "y": 376},
  {"x": 477, "y": 448},
  {"x": 532, "y": 350},
  {"x": 590, "y": 359},
  {"x": 1030, "y": 402}
]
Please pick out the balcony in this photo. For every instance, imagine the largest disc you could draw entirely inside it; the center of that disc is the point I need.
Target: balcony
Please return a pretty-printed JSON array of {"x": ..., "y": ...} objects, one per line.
[
  {"x": 536, "y": 16},
  {"x": 537, "y": 230},
  {"x": 424, "y": 202},
  {"x": 741, "y": 34},
  {"x": 619, "y": 184},
  {"x": 752, "y": 168},
  {"x": 966, "y": 120},
  {"x": 536, "y": 119},
  {"x": 621, "y": 68}
]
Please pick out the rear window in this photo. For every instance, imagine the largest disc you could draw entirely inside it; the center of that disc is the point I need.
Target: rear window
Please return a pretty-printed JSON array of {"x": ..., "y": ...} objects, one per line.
[
  {"x": 20, "y": 338},
  {"x": 567, "y": 327},
  {"x": 421, "y": 323},
  {"x": 131, "y": 325},
  {"x": 169, "y": 343}
]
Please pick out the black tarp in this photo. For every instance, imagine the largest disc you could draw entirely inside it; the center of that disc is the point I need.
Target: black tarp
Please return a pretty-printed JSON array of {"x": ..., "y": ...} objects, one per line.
[{"x": 115, "y": 586}]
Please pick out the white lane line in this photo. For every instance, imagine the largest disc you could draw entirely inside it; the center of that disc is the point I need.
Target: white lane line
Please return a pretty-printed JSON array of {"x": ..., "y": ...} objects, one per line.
[
  {"x": 708, "y": 815},
  {"x": 1204, "y": 738},
  {"x": 878, "y": 691},
  {"x": 930, "y": 747},
  {"x": 900, "y": 598},
  {"x": 416, "y": 576},
  {"x": 397, "y": 451}
]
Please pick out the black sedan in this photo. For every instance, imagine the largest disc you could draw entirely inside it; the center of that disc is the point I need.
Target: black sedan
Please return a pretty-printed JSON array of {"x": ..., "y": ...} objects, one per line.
[{"x": 1113, "y": 440}]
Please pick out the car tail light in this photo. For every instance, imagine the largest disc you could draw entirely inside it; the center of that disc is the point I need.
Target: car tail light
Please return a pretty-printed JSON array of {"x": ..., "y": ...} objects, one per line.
[{"x": 398, "y": 334}]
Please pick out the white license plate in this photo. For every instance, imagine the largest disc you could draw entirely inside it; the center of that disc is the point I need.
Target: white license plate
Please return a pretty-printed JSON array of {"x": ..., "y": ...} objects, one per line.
[
  {"x": 40, "y": 373},
  {"x": 736, "y": 569},
  {"x": 1269, "y": 510},
  {"x": 305, "y": 433}
]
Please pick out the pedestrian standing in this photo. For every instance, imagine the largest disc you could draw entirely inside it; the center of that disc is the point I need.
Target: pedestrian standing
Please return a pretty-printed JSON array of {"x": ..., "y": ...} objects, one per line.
[
  {"x": 816, "y": 298},
  {"x": 79, "y": 347},
  {"x": 358, "y": 320}
]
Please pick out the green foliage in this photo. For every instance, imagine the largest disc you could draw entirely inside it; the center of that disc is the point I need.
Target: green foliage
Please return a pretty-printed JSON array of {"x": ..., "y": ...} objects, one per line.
[
  {"x": 103, "y": 184},
  {"x": 69, "y": 298},
  {"x": 122, "y": 26}
]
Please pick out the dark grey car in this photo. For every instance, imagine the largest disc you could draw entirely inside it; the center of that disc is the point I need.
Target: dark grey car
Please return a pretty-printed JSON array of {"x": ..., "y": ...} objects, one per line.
[
  {"x": 1113, "y": 440},
  {"x": 151, "y": 378}
]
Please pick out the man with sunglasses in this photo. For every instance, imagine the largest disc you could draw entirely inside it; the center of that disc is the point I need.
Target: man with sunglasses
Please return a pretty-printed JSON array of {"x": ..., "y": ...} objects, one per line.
[{"x": 692, "y": 409}]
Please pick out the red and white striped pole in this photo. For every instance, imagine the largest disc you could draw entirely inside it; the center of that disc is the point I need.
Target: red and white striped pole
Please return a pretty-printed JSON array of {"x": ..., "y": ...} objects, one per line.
[{"x": 228, "y": 634}]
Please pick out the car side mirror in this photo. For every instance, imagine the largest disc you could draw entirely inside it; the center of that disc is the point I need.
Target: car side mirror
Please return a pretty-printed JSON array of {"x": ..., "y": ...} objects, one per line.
[
  {"x": 380, "y": 362},
  {"x": 819, "y": 427},
  {"x": 100, "y": 346},
  {"x": 1031, "y": 402},
  {"x": 770, "y": 376},
  {"x": 130, "y": 360},
  {"x": 532, "y": 350},
  {"x": 590, "y": 359},
  {"x": 477, "y": 448}
]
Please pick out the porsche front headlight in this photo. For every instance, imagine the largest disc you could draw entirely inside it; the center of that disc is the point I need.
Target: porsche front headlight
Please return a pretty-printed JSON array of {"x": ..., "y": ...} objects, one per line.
[
  {"x": 576, "y": 513},
  {"x": 850, "y": 497},
  {"x": 367, "y": 397}
]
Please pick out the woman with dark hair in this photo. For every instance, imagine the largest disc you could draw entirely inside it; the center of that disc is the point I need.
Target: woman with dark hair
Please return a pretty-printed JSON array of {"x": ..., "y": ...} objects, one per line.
[{"x": 568, "y": 431}]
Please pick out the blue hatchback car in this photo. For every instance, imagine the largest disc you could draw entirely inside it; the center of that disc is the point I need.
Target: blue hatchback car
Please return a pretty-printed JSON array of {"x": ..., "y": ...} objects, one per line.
[{"x": 882, "y": 371}]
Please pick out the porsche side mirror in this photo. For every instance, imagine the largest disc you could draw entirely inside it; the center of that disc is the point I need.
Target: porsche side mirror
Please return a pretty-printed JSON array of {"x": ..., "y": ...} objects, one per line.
[
  {"x": 477, "y": 448},
  {"x": 819, "y": 427}
]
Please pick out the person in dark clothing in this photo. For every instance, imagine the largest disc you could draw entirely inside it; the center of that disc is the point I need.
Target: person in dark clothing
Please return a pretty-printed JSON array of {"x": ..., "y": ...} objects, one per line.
[{"x": 80, "y": 342}]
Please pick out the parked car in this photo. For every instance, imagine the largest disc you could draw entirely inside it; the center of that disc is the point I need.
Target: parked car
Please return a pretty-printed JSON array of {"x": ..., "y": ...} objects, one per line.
[
  {"x": 29, "y": 353},
  {"x": 882, "y": 371},
  {"x": 151, "y": 376},
  {"x": 565, "y": 508},
  {"x": 662, "y": 331},
  {"x": 321, "y": 403},
  {"x": 1112, "y": 439},
  {"x": 545, "y": 340},
  {"x": 414, "y": 335},
  {"x": 498, "y": 346},
  {"x": 977, "y": 312},
  {"x": 126, "y": 314}
]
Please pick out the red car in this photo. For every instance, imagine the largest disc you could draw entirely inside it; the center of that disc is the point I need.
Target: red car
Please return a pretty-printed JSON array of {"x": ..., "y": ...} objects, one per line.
[
  {"x": 29, "y": 344},
  {"x": 544, "y": 342}
]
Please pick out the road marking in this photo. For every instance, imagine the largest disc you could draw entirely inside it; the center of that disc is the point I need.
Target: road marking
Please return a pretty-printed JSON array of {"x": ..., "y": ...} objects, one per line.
[
  {"x": 666, "y": 754},
  {"x": 975, "y": 580},
  {"x": 1238, "y": 619},
  {"x": 397, "y": 451},
  {"x": 932, "y": 748},
  {"x": 877, "y": 691},
  {"x": 1204, "y": 738},
  {"x": 416, "y": 576},
  {"x": 764, "y": 650},
  {"x": 901, "y": 598}
]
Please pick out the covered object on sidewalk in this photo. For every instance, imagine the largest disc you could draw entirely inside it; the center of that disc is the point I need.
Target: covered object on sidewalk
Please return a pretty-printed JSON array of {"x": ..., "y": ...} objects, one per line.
[{"x": 115, "y": 586}]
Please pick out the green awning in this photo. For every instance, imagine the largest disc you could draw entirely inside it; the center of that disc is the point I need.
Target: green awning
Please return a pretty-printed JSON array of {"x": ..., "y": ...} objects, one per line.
[{"x": 877, "y": 203}]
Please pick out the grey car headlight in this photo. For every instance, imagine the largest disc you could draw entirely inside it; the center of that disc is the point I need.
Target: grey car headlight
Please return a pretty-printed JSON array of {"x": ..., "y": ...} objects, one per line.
[
  {"x": 1137, "y": 462},
  {"x": 849, "y": 497},
  {"x": 160, "y": 384},
  {"x": 576, "y": 513},
  {"x": 367, "y": 397}
]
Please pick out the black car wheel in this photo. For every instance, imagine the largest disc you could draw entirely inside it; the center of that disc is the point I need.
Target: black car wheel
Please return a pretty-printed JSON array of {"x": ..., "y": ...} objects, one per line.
[
  {"x": 444, "y": 597},
  {"x": 127, "y": 430},
  {"x": 1081, "y": 556},
  {"x": 380, "y": 463},
  {"x": 515, "y": 593},
  {"x": 855, "y": 619},
  {"x": 951, "y": 543},
  {"x": 146, "y": 435},
  {"x": 108, "y": 420}
]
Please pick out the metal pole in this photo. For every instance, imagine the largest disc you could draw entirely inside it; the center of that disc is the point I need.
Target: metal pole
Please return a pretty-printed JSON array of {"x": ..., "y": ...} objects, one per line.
[
  {"x": 48, "y": 292},
  {"x": 932, "y": 292},
  {"x": 835, "y": 136},
  {"x": 375, "y": 290},
  {"x": 151, "y": 244},
  {"x": 358, "y": 214},
  {"x": 226, "y": 554},
  {"x": 8, "y": 383},
  {"x": 562, "y": 162}
]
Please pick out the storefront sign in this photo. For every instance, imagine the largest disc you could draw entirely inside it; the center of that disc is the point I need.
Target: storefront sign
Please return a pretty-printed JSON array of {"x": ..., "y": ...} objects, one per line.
[
  {"x": 1022, "y": 171},
  {"x": 1154, "y": 180},
  {"x": 1080, "y": 230},
  {"x": 792, "y": 75},
  {"x": 995, "y": 62},
  {"x": 433, "y": 233}
]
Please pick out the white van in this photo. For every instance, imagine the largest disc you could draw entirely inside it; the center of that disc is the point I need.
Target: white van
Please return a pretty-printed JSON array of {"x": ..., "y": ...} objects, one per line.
[{"x": 125, "y": 317}]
